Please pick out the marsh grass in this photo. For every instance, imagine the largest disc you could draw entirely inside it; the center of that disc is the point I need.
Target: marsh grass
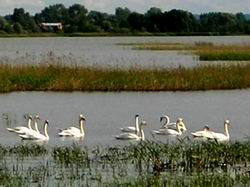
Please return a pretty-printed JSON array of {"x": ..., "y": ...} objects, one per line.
[
  {"x": 144, "y": 164},
  {"x": 161, "y": 46},
  {"x": 205, "y": 50},
  {"x": 225, "y": 55},
  {"x": 23, "y": 150},
  {"x": 59, "y": 77}
]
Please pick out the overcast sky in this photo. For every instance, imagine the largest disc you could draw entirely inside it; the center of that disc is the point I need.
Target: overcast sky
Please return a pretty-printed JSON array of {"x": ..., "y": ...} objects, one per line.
[{"x": 141, "y": 6}]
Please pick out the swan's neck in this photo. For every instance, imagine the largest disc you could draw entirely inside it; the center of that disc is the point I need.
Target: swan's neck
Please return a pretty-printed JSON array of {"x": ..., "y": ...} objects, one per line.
[
  {"x": 165, "y": 125},
  {"x": 226, "y": 129},
  {"x": 142, "y": 136},
  {"x": 81, "y": 123},
  {"x": 36, "y": 127},
  {"x": 178, "y": 128},
  {"x": 46, "y": 130},
  {"x": 29, "y": 124},
  {"x": 167, "y": 120},
  {"x": 137, "y": 124}
]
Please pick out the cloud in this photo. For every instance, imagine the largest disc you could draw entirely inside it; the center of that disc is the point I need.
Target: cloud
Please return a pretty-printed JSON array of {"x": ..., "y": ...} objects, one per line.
[
  {"x": 141, "y": 6},
  {"x": 32, "y": 6},
  {"x": 193, "y": 6}
]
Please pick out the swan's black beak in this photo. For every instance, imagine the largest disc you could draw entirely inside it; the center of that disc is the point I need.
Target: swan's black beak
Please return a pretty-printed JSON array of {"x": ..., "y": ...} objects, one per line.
[{"x": 161, "y": 118}]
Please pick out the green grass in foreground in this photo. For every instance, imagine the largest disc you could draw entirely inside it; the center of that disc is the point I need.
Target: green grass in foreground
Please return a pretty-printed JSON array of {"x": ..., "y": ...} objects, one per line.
[
  {"x": 184, "y": 163},
  {"x": 63, "y": 78}
]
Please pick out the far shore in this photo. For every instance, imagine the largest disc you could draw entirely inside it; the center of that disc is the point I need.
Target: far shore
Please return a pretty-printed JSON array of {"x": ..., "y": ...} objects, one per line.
[{"x": 114, "y": 34}]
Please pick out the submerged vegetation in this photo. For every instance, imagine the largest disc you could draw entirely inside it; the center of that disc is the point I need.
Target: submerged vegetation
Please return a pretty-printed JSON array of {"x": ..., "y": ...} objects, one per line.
[
  {"x": 143, "y": 164},
  {"x": 58, "y": 77}
]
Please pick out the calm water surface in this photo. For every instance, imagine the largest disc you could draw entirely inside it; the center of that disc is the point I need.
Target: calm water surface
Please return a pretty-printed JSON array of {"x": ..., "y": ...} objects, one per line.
[
  {"x": 104, "y": 51},
  {"x": 106, "y": 113}
]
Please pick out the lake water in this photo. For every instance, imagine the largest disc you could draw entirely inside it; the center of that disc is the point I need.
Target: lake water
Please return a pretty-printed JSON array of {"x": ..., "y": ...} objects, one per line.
[
  {"x": 106, "y": 113},
  {"x": 104, "y": 51}
]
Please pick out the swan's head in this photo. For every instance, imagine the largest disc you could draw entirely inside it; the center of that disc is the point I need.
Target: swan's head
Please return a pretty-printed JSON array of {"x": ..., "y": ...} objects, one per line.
[
  {"x": 181, "y": 125},
  {"x": 28, "y": 116},
  {"x": 206, "y": 128},
  {"x": 36, "y": 117},
  {"x": 137, "y": 115},
  {"x": 179, "y": 120},
  {"x": 143, "y": 123},
  {"x": 81, "y": 117},
  {"x": 165, "y": 117},
  {"x": 227, "y": 122},
  {"x": 46, "y": 122}
]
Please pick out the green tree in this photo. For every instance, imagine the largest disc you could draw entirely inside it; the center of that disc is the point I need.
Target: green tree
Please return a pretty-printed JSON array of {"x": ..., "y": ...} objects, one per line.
[
  {"x": 101, "y": 20},
  {"x": 54, "y": 13},
  {"x": 78, "y": 17},
  {"x": 18, "y": 27},
  {"x": 136, "y": 21},
  {"x": 25, "y": 20},
  {"x": 241, "y": 20},
  {"x": 153, "y": 19},
  {"x": 122, "y": 15},
  {"x": 179, "y": 21},
  {"x": 3, "y": 23},
  {"x": 218, "y": 22}
]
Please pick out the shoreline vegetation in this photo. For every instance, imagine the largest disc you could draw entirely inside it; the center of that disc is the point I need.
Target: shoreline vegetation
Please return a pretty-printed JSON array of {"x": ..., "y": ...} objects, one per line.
[
  {"x": 77, "y": 19},
  {"x": 114, "y": 34},
  {"x": 60, "y": 77},
  {"x": 146, "y": 163}
]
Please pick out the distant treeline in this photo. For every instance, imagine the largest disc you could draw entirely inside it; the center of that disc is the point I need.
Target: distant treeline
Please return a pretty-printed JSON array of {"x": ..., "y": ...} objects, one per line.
[{"x": 77, "y": 18}]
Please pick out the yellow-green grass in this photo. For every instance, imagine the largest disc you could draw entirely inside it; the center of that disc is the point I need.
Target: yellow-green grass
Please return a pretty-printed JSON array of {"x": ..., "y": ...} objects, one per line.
[
  {"x": 58, "y": 77},
  {"x": 205, "y": 51},
  {"x": 225, "y": 55},
  {"x": 161, "y": 46}
]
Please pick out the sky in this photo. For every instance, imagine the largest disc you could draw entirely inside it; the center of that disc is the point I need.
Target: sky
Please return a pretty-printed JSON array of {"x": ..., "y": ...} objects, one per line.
[{"x": 140, "y": 6}]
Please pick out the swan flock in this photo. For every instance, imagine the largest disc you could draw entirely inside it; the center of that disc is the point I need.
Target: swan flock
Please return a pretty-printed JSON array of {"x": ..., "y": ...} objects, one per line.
[{"x": 134, "y": 132}]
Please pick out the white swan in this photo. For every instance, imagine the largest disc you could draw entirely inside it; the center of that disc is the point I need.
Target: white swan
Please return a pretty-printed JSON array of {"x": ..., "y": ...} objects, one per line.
[
  {"x": 22, "y": 129},
  {"x": 73, "y": 131},
  {"x": 134, "y": 129},
  {"x": 220, "y": 137},
  {"x": 204, "y": 133},
  {"x": 167, "y": 123},
  {"x": 37, "y": 136},
  {"x": 180, "y": 127},
  {"x": 133, "y": 136}
]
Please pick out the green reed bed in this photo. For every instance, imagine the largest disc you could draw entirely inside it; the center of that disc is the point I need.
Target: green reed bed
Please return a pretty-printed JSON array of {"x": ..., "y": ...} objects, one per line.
[
  {"x": 205, "y": 51},
  {"x": 142, "y": 164},
  {"x": 161, "y": 46},
  {"x": 225, "y": 55},
  {"x": 75, "y": 78}
]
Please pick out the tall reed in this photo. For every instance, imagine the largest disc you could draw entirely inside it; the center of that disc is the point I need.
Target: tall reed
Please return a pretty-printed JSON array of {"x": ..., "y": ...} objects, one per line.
[{"x": 59, "y": 77}]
